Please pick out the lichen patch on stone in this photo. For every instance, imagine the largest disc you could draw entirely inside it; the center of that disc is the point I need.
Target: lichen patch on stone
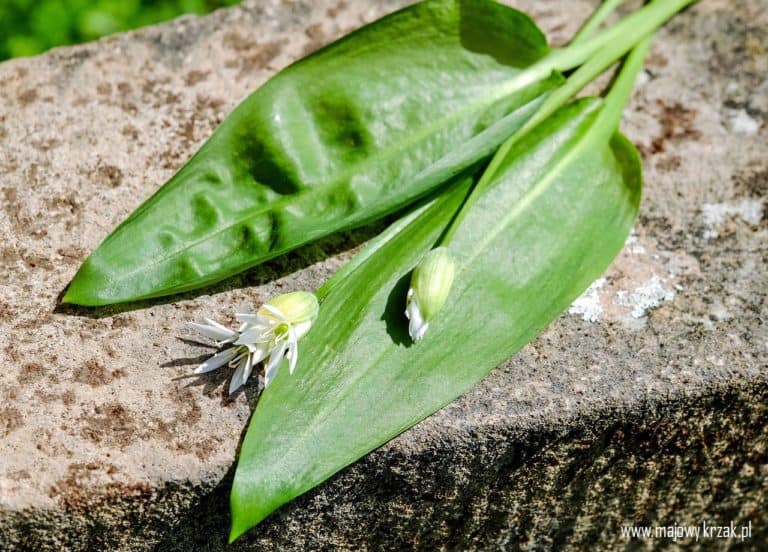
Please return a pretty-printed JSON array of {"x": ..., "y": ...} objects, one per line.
[
  {"x": 645, "y": 298},
  {"x": 588, "y": 305},
  {"x": 714, "y": 215}
]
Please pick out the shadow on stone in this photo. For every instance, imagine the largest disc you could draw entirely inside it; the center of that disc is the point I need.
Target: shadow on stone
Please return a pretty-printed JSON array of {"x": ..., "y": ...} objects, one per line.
[
  {"x": 501, "y": 488},
  {"x": 197, "y": 343},
  {"x": 207, "y": 525},
  {"x": 188, "y": 361},
  {"x": 217, "y": 381}
]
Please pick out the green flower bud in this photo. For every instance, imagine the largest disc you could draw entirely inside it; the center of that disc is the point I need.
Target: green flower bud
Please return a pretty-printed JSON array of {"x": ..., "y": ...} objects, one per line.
[
  {"x": 295, "y": 307},
  {"x": 430, "y": 285}
]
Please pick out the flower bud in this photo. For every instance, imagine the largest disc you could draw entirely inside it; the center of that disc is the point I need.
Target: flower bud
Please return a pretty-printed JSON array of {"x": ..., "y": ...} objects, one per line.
[
  {"x": 430, "y": 284},
  {"x": 296, "y": 307}
]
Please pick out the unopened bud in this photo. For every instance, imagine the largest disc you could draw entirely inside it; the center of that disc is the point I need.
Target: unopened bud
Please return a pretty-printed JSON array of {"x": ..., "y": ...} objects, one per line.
[
  {"x": 430, "y": 285},
  {"x": 296, "y": 307}
]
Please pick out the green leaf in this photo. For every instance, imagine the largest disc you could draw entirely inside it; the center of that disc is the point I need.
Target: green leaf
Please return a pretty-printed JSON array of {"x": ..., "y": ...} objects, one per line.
[
  {"x": 557, "y": 209},
  {"x": 354, "y": 132}
]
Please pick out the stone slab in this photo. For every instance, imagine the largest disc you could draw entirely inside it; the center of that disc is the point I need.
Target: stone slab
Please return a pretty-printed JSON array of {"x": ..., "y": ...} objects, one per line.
[{"x": 646, "y": 403}]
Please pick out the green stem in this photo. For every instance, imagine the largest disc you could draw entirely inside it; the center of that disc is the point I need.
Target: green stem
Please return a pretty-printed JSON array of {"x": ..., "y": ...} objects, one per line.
[
  {"x": 621, "y": 89},
  {"x": 572, "y": 86},
  {"x": 369, "y": 249},
  {"x": 618, "y": 38},
  {"x": 450, "y": 198},
  {"x": 595, "y": 20},
  {"x": 594, "y": 55},
  {"x": 636, "y": 26},
  {"x": 603, "y": 49}
]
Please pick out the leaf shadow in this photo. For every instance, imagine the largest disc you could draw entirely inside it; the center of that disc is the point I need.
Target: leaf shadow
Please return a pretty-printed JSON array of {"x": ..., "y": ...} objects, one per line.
[
  {"x": 264, "y": 273},
  {"x": 217, "y": 381},
  {"x": 196, "y": 343},
  {"x": 511, "y": 49},
  {"x": 205, "y": 524},
  {"x": 394, "y": 312},
  {"x": 186, "y": 361}
]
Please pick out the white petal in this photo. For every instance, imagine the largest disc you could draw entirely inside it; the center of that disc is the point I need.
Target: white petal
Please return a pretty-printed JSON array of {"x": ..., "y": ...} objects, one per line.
[
  {"x": 255, "y": 334},
  {"x": 274, "y": 363},
  {"x": 216, "y": 332},
  {"x": 276, "y": 312},
  {"x": 258, "y": 352},
  {"x": 218, "y": 326},
  {"x": 418, "y": 333},
  {"x": 247, "y": 316},
  {"x": 408, "y": 301},
  {"x": 217, "y": 360},
  {"x": 293, "y": 357},
  {"x": 250, "y": 318},
  {"x": 417, "y": 327},
  {"x": 269, "y": 375},
  {"x": 293, "y": 351},
  {"x": 248, "y": 369},
  {"x": 302, "y": 328},
  {"x": 237, "y": 378}
]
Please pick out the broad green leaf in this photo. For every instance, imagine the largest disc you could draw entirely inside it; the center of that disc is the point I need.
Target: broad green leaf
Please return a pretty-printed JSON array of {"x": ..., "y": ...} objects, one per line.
[
  {"x": 557, "y": 209},
  {"x": 358, "y": 130}
]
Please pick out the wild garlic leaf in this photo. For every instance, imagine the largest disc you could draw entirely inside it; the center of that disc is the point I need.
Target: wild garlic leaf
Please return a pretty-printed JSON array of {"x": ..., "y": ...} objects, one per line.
[
  {"x": 555, "y": 211},
  {"x": 356, "y": 131}
]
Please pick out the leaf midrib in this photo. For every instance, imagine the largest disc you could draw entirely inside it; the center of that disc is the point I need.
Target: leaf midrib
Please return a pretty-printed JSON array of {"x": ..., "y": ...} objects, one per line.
[
  {"x": 387, "y": 152},
  {"x": 526, "y": 201},
  {"x": 545, "y": 181}
]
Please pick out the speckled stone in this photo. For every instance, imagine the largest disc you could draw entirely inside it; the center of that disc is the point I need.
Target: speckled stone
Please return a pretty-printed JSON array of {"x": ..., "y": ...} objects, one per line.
[{"x": 645, "y": 404}]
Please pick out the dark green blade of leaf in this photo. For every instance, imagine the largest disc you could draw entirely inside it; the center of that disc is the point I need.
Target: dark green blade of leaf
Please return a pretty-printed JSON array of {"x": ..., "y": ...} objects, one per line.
[
  {"x": 557, "y": 211},
  {"x": 358, "y": 130}
]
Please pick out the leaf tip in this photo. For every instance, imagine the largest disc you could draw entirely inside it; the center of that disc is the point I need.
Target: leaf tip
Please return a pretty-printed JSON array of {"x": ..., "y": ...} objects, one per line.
[
  {"x": 250, "y": 504},
  {"x": 93, "y": 286},
  {"x": 234, "y": 534},
  {"x": 68, "y": 298},
  {"x": 80, "y": 290},
  {"x": 74, "y": 294},
  {"x": 241, "y": 523}
]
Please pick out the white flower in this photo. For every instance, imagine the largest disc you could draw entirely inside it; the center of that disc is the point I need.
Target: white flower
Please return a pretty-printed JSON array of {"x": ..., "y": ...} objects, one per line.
[
  {"x": 269, "y": 335},
  {"x": 417, "y": 327},
  {"x": 431, "y": 282}
]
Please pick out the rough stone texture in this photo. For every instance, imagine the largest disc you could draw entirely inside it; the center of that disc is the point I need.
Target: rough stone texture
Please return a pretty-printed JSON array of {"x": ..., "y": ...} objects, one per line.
[{"x": 645, "y": 405}]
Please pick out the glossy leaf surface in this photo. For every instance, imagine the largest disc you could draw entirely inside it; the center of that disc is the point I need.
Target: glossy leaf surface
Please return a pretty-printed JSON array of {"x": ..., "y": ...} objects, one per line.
[
  {"x": 555, "y": 211},
  {"x": 358, "y": 130}
]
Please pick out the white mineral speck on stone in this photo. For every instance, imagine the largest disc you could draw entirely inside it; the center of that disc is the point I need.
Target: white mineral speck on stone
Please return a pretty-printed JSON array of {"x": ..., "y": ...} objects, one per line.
[
  {"x": 588, "y": 305},
  {"x": 714, "y": 214},
  {"x": 645, "y": 298},
  {"x": 633, "y": 245},
  {"x": 643, "y": 78},
  {"x": 742, "y": 123}
]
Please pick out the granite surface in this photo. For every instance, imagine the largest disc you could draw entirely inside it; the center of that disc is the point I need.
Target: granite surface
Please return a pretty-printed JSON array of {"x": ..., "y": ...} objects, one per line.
[{"x": 644, "y": 404}]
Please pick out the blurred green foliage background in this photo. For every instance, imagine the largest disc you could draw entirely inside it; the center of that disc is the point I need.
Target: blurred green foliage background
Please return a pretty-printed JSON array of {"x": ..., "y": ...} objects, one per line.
[{"x": 28, "y": 27}]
